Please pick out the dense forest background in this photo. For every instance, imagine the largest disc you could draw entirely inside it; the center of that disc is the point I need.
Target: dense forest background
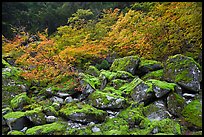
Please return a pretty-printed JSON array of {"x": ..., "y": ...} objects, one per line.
[{"x": 51, "y": 40}]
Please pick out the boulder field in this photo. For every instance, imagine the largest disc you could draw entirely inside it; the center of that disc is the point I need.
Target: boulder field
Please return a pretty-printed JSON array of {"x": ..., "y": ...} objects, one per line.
[{"x": 135, "y": 96}]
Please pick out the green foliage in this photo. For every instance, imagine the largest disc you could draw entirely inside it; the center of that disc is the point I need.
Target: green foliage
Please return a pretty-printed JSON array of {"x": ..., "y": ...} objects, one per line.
[
  {"x": 80, "y": 18},
  {"x": 104, "y": 65}
]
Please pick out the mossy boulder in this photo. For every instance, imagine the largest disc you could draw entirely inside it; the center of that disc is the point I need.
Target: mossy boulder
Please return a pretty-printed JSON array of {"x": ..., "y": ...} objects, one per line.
[
  {"x": 133, "y": 114},
  {"x": 92, "y": 70},
  {"x": 192, "y": 113},
  {"x": 158, "y": 74},
  {"x": 115, "y": 126},
  {"x": 161, "y": 88},
  {"x": 146, "y": 66},
  {"x": 116, "y": 75},
  {"x": 15, "y": 132},
  {"x": 50, "y": 111},
  {"x": 184, "y": 71},
  {"x": 36, "y": 116},
  {"x": 94, "y": 82},
  {"x": 82, "y": 113},
  {"x": 16, "y": 120},
  {"x": 106, "y": 100},
  {"x": 139, "y": 90},
  {"x": 156, "y": 111},
  {"x": 19, "y": 101},
  {"x": 129, "y": 64},
  {"x": 56, "y": 128},
  {"x": 117, "y": 83},
  {"x": 165, "y": 126},
  {"x": 175, "y": 104}
]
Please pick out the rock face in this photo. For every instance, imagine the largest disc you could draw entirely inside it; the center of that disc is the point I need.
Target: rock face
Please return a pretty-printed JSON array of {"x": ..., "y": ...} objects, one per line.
[
  {"x": 184, "y": 71},
  {"x": 128, "y": 64}
]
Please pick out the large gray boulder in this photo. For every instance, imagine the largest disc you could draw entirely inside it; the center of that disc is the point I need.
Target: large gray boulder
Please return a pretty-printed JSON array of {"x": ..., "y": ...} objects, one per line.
[
  {"x": 183, "y": 71},
  {"x": 129, "y": 64}
]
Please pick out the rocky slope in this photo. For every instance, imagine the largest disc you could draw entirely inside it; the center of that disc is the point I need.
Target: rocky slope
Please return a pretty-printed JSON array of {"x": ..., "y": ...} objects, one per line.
[{"x": 134, "y": 97}]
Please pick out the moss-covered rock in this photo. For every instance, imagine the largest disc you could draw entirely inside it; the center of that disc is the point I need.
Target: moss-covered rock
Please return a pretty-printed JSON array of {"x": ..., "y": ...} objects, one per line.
[
  {"x": 165, "y": 126},
  {"x": 91, "y": 80},
  {"x": 50, "y": 111},
  {"x": 19, "y": 101},
  {"x": 158, "y": 74},
  {"x": 117, "y": 83},
  {"x": 161, "y": 88},
  {"x": 82, "y": 113},
  {"x": 105, "y": 100},
  {"x": 129, "y": 64},
  {"x": 36, "y": 116},
  {"x": 15, "y": 120},
  {"x": 115, "y": 75},
  {"x": 115, "y": 126},
  {"x": 56, "y": 128},
  {"x": 92, "y": 70},
  {"x": 146, "y": 66},
  {"x": 156, "y": 111},
  {"x": 175, "y": 103},
  {"x": 133, "y": 114},
  {"x": 193, "y": 113},
  {"x": 15, "y": 132},
  {"x": 184, "y": 71}
]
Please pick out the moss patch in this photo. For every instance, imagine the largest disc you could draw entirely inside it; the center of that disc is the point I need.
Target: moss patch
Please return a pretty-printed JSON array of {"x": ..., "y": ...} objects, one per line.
[
  {"x": 55, "y": 128},
  {"x": 14, "y": 115},
  {"x": 101, "y": 99},
  {"x": 129, "y": 64},
  {"x": 93, "y": 81},
  {"x": 154, "y": 75},
  {"x": 193, "y": 113},
  {"x": 162, "y": 84},
  {"x": 15, "y": 132},
  {"x": 84, "y": 112},
  {"x": 20, "y": 100}
]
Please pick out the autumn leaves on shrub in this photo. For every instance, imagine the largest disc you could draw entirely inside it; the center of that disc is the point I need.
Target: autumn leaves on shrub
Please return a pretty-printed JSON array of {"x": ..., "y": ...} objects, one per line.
[{"x": 166, "y": 28}]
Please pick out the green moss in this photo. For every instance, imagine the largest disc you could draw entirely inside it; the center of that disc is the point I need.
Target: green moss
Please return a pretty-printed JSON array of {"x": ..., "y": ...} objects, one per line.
[
  {"x": 133, "y": 115},
  {"x": 117, "y": 83},
  {"x": 20, "y": 100},
  {"x": 128, "y": 87},
  {"x": 164, "y": 126},
  {"x": 93, "y": 81},
  {"x": 193, "y": 113},
  {"x": 106, "y": 100},
  {"x": 122, "y": 64},
  {"x": 115, "y": 124},
  {"x": 154, "y": 75},
  {"x": 5, "y": 63},
  {"x": 47, "y": 129},
  {"x": 36, "y": 110},
  {"x": 162, "y": 84},
  {"x": 146, "y": 62},
  {"x": 50, "y": 109},
  {"x": 80, "y": 108},
  {"x": 175, "y": 63},
  {"x": 108, "y": 74},
  {"x": 92, "y": 71},
  {"x": 112, "y": 90},
  {"x": 15, "y": 132},
  {"x": 15, "y": 115}
]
